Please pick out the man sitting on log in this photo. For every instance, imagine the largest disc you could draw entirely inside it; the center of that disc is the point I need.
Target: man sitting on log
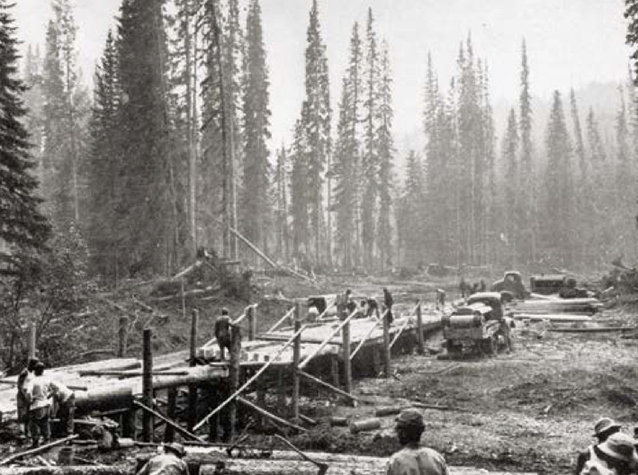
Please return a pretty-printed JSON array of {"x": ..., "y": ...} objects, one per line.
[
  {"x": 168, "y": 463},
  {"x": 413, "y": 459},
  {"x": 222, "y": 332}
]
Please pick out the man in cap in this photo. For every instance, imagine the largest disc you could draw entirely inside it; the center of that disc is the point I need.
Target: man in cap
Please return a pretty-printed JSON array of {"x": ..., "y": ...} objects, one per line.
[
  {"x": 167, "y": 463},
  {"x": 616, "y": 456},
  {"x": 222, "y": 332},
  {"x": 413, "y": 459},
  {"x": 603, "y": 428}
]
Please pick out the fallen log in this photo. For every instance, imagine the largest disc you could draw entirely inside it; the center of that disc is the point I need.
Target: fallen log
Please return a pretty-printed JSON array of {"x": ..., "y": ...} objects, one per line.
[
  {"x": 558, "y": 318},
  {"x": 593, "y": 330},
  {"x": 132, "y": 374},
  {"x": 37, "y": 450}
]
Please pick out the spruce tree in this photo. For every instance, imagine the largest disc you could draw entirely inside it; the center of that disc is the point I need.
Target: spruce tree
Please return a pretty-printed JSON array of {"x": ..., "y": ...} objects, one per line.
[
  {"x": 256, "y": 130},
  {"x": 559, "y": 194},
  {"x": 347, "y": 159},
  {"x": 22, "y": 227},
  {"x": 410, "y": 213},
  {"x": 385, "y": 147},
  {"x": 511, "y": 195},
  {"x": 149, "y": 216}
]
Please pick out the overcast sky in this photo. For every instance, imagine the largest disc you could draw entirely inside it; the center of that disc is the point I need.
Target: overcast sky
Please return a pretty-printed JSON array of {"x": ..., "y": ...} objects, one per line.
[{"x": 571, "y": 43}]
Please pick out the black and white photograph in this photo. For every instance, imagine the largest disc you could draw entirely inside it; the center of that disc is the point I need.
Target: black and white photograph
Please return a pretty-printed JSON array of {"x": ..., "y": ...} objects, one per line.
[{"x": 318, "y": 237}]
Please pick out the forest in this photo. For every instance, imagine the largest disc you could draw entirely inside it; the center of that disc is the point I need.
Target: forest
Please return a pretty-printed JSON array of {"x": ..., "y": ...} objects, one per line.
[{"x": 168, "y": 151}]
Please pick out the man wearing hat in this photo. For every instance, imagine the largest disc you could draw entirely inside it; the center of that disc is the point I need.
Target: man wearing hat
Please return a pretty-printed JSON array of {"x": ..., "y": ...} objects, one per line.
[
  {"x": 616, "y": 456},
  {"x": 603, "y": 428},
  {"x": 223, "y": 325},
  {"x": 167, "y": 463},
  {"x": 413, "y": 459}
]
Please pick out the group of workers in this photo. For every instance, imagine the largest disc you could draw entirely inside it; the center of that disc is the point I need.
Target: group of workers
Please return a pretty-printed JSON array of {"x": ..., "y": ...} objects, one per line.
[
  {"x": 38, "y": 399},
  {"x": 411, "y": 459},
  {"x": 614, "y": 452},
  {"x": 366, "y": 308}
]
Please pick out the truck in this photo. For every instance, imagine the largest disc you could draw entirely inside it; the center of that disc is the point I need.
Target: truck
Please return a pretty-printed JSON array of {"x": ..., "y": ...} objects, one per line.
[{"x": 480, "y": 326}]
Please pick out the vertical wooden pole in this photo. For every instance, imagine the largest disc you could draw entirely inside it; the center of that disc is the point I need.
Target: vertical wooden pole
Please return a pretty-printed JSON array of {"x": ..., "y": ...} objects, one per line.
[
  {"x": 296, "y": 359},
  {"x": 251, "y": 313},
  {"x": 387, "y": 358},
  {"x": 334, "y": 370},
  {"x": 376, "y": 361},
  {"x": 419, "y": 330},
  {"x": 281, "y": 394},
  {"x": 261, "y": 401},
  {"x": 347, "y": 364},
  {"x": 192, "y": 389},
  {"x": 128, "y": 424},
  {"x": 122, "y": 336},
  {"x": 32, "y": 340},
  {"x": 169, "y": 431},
  {"x": 147, "y": 385},
  {"x": 235, "y": 350}
]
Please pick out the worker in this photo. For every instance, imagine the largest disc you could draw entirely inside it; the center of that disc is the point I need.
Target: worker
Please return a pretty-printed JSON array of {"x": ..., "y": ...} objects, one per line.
[
  {"x": 372, "y": 307},
  {"x": 64, "y": 403},
  {"x": 464, "y": 288},
  {"x": 388, "y": 302},
  {"x": 603, "y": 428},
  {"x": 482, "y": 286},
  {"x": 440, "y": 299},
  {"x": 351, "y": 305},
  {"x": 167, "y": 463},
  {"x": 39, "y": 408},
  {"x": 362, "y": 310},
  {"x": 413, "y": 459},
  {"x": 222, "y": 332},
  {"x": 616, "y": 456},
  {"x": 23, "y": 397},
  {"x": 313, "y": 314}
]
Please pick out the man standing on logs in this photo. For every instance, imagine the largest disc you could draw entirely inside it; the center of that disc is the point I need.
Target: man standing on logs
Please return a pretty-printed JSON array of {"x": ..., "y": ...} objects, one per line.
[
  {"x": 39, "y": 410},
  {"x": 388, "y": 301},
  {"x": 168, "y": 463},
  {"x": 413, "y": 459},
  {"x": 222, "y": 332}
]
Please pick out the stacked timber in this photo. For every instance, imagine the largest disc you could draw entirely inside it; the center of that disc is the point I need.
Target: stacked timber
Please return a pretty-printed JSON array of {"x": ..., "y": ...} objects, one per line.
[{"x": 573, "y": 306}]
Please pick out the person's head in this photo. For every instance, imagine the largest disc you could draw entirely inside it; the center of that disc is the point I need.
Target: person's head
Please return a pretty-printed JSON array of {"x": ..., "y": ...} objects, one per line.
[
  {"x": 224, "y": 311},
  {"x": 175, "y": 448},
  {"x": 605, "y": 427},
  {"x": 31, "y": 364},
  {"x": 409, "y": 426},
  {"x": 348, "y": 292},
  {"x": 38, "y": 369},
  {"x": 621, "y": 447}
]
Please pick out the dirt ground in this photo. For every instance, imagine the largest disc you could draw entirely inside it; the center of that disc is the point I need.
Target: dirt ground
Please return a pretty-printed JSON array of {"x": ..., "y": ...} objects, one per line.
[{"x": 531, "y": 410}]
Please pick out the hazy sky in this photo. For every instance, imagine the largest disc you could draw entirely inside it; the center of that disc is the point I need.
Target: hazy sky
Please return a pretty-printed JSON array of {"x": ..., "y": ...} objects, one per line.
[{"x": 570, "y": 43}]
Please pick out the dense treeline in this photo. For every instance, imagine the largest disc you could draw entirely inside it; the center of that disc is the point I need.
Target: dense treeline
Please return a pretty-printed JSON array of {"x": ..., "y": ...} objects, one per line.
[{"x": 173, "y": 154}]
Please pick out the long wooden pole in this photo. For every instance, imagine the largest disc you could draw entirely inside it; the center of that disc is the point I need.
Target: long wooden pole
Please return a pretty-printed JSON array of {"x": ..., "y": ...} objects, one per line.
[
  {"x": 387, "y": 358},
  {"x": 400, "y": 332},
  {"x": 296, "y": 357},
  {"x": 251, "y": 380},
  {"x": 38, "y": 450},
  {"x": 419, "y": 330},
  {"x": 171, "y": 412},
  {"x": 147, "y": 385},
  {"x": 327, "y": 385},
  {"x": 192, "y": 389},
  {"x": 122, "y": 336},
  {"x": 347, "y": 363},
  {"x": 170, "y": 422},
  {"x": 365, "y": 338},
  {"x": 282, "y": 320},
  {"x": 269, "y": 415},
  {"x": 325, "y": 343}
]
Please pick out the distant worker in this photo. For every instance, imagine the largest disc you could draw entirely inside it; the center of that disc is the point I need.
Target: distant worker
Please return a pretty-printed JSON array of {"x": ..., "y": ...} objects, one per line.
[
  {"x": 372, "y": 308},
  {"x": 23, "y": 398},
  {"x": 440, "y": 299},
  {"x": 413, "y": 459},
  {"x": 474, "y": 289},
  {"x": 64, "y": 402},
  {"x": 603, "y": 428},
  {"x": 388, "y": 302},
  {"x": 167, "y": 463},
  {"x": 482, "y": 286},
  {"x": 313, "y": 314},
  {"x": 464, "y": 288},
  {"x": 39, "y": 409},
  {"x": 616, "y": 456},
  {"x": 351, "y": 305},
  {"x": 222, "y": 332}
]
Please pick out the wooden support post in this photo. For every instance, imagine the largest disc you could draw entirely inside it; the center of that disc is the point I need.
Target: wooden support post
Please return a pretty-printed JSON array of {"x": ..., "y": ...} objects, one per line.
[
  {"x": 347, "y": 364},
  {"x": 171, "y": 413},
  {"x": 261, "y": 401},
  {"x": 233, "y": 379},
  {"x": 419, "y": 330},
  {"x": 177, "y": 427},
  {"x": 281, "y": 393},
  {"x": 251, "y": 314},
  {"x": 122, "y": 336},
  {"x": 147, "y": 386},
  {"x": 376, "y": 361},
  {"x": 128, "y": 423},
  {"x": 296, "y": 358},
  {"x": 192, "y": 389},
  {"x": 32, "y": 340},
  {"x": 334, "y": 370},
  {"x": 387, "y": 363}
]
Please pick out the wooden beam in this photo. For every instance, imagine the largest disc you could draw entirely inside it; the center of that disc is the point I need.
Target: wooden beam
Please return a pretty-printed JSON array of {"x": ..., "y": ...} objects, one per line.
[
  {"x": 296, "y": 357},
  {"x": 327, "y": 385},
  {"x": 147, "y": 385},
  {"x": 170, "y": 422},
  {"x": 38, "y": 450},
  {"x": 250, "y": 381},
  {"x": 269, "y": 415}
]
